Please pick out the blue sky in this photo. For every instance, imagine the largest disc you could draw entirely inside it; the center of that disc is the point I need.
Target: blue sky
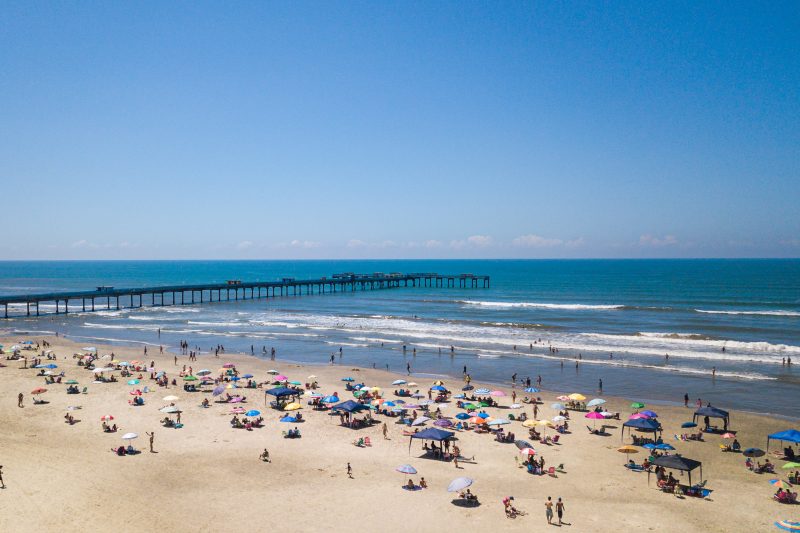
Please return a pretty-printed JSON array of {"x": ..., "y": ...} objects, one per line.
[{"x": 399, "y": 129}]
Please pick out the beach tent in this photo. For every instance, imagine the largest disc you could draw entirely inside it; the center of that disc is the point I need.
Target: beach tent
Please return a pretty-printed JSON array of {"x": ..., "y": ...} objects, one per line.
[
  {"x": 642, "y": 424},
  {"x": 790, "y": 435},
  {"x": 349, "y": 406},
  {"x": 430, "y": 434},
  {"x": 713, "y": 412},
  {"x": 676, "y": 462},
  {"x": 282, "y": 392}
]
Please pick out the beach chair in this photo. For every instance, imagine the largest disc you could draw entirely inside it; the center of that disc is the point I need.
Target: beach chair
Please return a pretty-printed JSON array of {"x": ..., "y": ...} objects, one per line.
[
  {"x": 552, "y": 471},
  {"x": 555, "y": 439},
  {"x": 85, "y": 390},
  {"x": 367, "y": 441},
  {"x": 560, "y": 469}
]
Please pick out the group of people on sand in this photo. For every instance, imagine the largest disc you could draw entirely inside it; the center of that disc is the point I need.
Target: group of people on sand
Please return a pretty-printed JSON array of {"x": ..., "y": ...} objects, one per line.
[{"x": 411, "y": 486}]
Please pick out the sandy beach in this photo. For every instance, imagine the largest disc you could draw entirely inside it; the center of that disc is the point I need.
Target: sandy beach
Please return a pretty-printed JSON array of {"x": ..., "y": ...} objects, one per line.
[{"x": 207, "y": 475}]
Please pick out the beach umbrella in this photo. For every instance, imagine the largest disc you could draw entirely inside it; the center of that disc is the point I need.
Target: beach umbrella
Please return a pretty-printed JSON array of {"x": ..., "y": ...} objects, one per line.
[
  {"x": 443, "y": 423},
  {"x": 170, "y": 398},
  {"x": 438, "y": 382},
  {"x": 40, "y": 390},
  {"x": 545, "y": 423},
  {"x": 294, "y": 406},
  {"x": 459, "y": 484},
  {"x": 562, "y": 398},
  {"x": 515, "y": 406},
  {"x": 378, "y": 401},
  {"x": 788, "y": 525},
  {"x": 387, "y": 404},
  {"x": 557, "y": 406},
  {"x": 753, "y": 452},
  {"x": 133, "y": 382},
  {"x": 412, "y": 384},
  {"x": 687, "y": 425},
  {"x": 107, "y": 417},
  {"x": 203, "y": 372},
  {"x": 594, "y": 416},
  {"x": 530, "y": 423},
  {"x": 170, "y": 409},
  {"x": 637, "y": 405},
  {"x": 576, "y": 396},
  {"x": 130, "y": 436},
  {"x": 520, "y": 444},
  {"x": 467, "y": 388},
  {"x": 281, "y": 377},
  {"x": 190, "y": 378},
  {"x": 627, "y": 449},
  {"x": 462, "y": 416},
  {"x": 238, "y": 410},
  {"x": 499, "y": 422},
  {"x": 532, "y": 390},
  {"x": 781, "y": 484},
  {"x": 399, "y": 382},
  {"x": 651, "y": 414},
  {"x": 728, "y": 436},
  {"x": 438, "y": 388},
  {"x": 477, "y": 420},
  {"x": 272, "y": 371},
  {"x": 497, "y": 393},
  {"x": 291, "y": 382},
  {"x": 649, "y": 446},
  {"x": 330, "y": 399},
  {"x": 218, "y": 390},
  {"x": 288, "y": 418},
  {"x": 228, "y": 365},
  {"x": 420, "y": 420},
  {"x": 789, "y": 466},
  {"x": 527, "y": 451},
  {"x": 483, "y": 415},
  {"x": 312, "y": 376},
  {"x": 206, "y": 379},
  {"x": 71, "y": 382},
  {"x": 418, "y": 395},
  {"x": 482, "y": 391},
  {"x": 596, "y": 401},
  {"x": 637, "y": 416},
  {"x": 348, "y": 379},
  {"x": 664, "y": 446},
  {"x": 406, "y": 469},
  {"x": 559, "y": 418}
]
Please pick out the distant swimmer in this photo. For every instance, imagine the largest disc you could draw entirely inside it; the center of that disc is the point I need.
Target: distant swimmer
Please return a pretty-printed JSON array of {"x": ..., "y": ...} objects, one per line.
[
  {"x": 600, "y": 385},
  {"x": 666, "y": 356},
  {"x": 713, "y": 371},
  {"x": 611, "y": 356},
  {"x": 723, "y": 349}
]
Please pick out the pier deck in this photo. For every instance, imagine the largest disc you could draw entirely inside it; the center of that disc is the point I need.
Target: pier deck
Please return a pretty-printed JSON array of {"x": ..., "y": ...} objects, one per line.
[{"x": 113, "y": 298}]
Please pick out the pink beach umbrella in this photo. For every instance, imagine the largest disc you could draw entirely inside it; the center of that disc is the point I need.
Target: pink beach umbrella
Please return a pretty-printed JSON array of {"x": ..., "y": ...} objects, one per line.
[
  {"x": 595, "y": 416},
  {"x": 527, "y": 451},
  {"x": 228, "y": 365},
  {"x": 497, "y": 393},
  {"x": 281, "y": 377}
]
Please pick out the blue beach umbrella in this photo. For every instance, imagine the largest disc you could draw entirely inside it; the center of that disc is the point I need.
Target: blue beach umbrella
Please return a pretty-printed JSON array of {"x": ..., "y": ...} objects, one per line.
[
  {"x": 388, "y": 404},
  {"x": 482, "y": 391},
  {"x": 462, "y": 416},
  {"x": 51, "y": 366},
  {"x": 649, "y": 446},
  {"x": 467, "y": 388},
  {"x": 234, "y": 378},
  {"x": 133, "y": 382},
  {"x": 651, "y": 414},
  {"x": 664, "y": 446},
  {"x": 348, "y": 379},
  {"x": 247, "y": 376},
  {"x": 252, "y": 412},
  {"x": 399, "y": 382},
  {"x": 288, "y": 418},
  {"x": 399, "y": 402},
  {"x": 458, "y": 396},
  {"x": 688, "y": 425},
  {"x": 438, "y": 388},
  {"x": 483, "y": 415},
  {"x": 788, "y": 525},
  {"x": 330, "y": 399},
  {"x": 558, "y": 406},
  {"x": 531, "y": 389},
  {"x": 406, "y": 469}
]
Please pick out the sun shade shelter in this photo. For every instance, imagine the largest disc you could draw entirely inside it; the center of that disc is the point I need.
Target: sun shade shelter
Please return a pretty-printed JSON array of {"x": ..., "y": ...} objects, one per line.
[
  {"x": 676, "y": 462},
  {"x": 790, "y": 435},
  {"x": 350, "y": 406},
  {"x": 713, "y": 412},
  {"x": 642, "y": 424},
  {"x": 434, "y": 434},
  {"x": 282, "y": 392}
]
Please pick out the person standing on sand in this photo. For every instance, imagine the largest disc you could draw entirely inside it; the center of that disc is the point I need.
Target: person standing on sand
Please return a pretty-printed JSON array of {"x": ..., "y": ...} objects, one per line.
[
  {"x": 686, "y": 400},
  {"x": 385, "y": 431},
  {"x": 19, "y": 400},
  {"x": 2, "y": 483},
  {"x": 349, "y": 471},
  {"x": 548, "y": 505},
  {"x": 408, "y": 368},
  {"x": 152, "y": 437},
  {"x": 600, "y": 384},
  {"x": 560, "y": 510}
]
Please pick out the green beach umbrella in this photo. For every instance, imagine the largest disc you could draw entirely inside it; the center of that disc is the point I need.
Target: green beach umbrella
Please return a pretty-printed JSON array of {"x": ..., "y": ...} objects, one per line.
[
  {"x": 637, "y": 405},
  {"x": 72, "y": 382},
  {"x": 190, "y": 378},
  {"x": 789, "y": 466}
]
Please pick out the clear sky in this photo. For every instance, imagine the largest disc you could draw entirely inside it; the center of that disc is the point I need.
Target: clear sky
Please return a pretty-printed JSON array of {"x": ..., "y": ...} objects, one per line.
[{"x": 399, "y": 129}]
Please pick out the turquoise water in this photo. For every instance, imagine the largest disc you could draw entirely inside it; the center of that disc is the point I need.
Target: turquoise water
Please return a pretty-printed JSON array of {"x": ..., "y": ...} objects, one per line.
[{"x": 637, "y": 310}]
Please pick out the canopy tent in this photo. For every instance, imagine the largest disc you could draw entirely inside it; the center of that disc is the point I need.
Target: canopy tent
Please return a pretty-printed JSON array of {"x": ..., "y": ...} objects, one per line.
[
  {"x": 713, "y": 412},
  {"x": 789, "y": 435},
  {"x": 676, "y": 462},
  {"x": 350, "y": 406},
  {"x": 281, "y": 392},
  {"x": 431, "y": 434},
  {"x": 642, "y": 424}
]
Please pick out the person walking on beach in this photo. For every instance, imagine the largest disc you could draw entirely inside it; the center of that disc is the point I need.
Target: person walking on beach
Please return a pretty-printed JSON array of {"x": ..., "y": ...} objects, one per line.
[
  {"x": 600, "y": 384},
  {"x": 20, "y": 397},
  {"x": 560, "y": 510},
  {"x": 408, "y": 368},
  {"x": 2, "y": 483},
  {"x": 349, "y": 471},
  {"x": 686, "y": 400},
  {"x": 385, "y": 431},
  {"x": 152, "y": 436},
  {"x": 548, "y": 505}
]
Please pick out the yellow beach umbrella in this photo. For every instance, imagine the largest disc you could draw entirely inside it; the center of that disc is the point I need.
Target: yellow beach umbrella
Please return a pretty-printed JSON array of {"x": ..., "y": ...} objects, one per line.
[
  {"x": 545, "y": 423},
  {"x": 628, "y": 449},
  {"x": 294, "y": 406},
  {"x": 577, "y": 397},
  {"x": 412, "y": 384},
  {"x": 529, "y": 423},
  {"x": 438, "y": 382}
]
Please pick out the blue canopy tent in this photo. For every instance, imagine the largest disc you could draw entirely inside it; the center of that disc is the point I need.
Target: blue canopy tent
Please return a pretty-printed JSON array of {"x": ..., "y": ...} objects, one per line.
[
  {"x": 642, "y": 424},
  {"x": 789, "y": 435},
  {"x": 280, "y": 393},
  {"x": 712, "y": 412},
  {"x": 434, "y": 434},
  {"x": 350, "y": 406}
]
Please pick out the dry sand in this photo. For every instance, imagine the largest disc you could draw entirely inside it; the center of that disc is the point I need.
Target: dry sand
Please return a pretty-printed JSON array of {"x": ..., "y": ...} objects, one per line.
[{"x": 207, "y": 475}]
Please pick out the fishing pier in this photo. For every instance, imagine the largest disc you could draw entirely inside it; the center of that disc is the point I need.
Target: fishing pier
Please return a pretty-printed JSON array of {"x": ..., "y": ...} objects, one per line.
[{"x": 107, "y": 298}]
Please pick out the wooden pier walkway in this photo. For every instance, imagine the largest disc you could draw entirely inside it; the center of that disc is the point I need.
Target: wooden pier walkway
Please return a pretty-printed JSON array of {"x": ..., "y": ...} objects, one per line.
[{"x": 112, "y": 298}]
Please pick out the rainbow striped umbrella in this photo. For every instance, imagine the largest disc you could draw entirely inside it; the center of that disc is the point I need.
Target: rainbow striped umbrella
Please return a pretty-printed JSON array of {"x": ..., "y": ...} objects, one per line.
[{"x": 788, "y": 525}]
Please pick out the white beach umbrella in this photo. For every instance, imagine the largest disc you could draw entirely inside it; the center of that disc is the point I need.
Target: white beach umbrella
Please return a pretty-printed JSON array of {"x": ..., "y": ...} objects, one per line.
[
  {"x": 459, "y": 484},
  {"x": 130, "y": 436}
]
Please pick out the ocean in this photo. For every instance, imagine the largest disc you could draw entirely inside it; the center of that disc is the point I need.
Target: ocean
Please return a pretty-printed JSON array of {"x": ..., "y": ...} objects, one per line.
[{"x": 618, "y": 318}]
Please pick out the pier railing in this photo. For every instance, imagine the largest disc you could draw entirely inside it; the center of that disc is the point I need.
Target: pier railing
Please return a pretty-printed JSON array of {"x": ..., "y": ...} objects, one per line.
[{"x": 108, "y": 297}]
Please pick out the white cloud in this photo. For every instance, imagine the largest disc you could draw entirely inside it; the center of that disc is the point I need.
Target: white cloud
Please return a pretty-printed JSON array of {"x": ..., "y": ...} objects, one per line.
[
  {"x": 304, "y": 244},
  {"x": 479, "y": 240},
  {"x": 575, "y": 243},
  {"x": 536, "y": 241},
  {"x": 244, "y": 245},
  {"x": 651, "y": 240},
  {"x": 356, "y": 243},
  {"x": 432, "y": 244}
]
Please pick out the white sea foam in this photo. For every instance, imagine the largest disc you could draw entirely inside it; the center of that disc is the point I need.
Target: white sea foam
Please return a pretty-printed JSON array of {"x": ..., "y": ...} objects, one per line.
[
  {"x": 539, "y": 305},
  {"x": 776, "y": 312}
]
